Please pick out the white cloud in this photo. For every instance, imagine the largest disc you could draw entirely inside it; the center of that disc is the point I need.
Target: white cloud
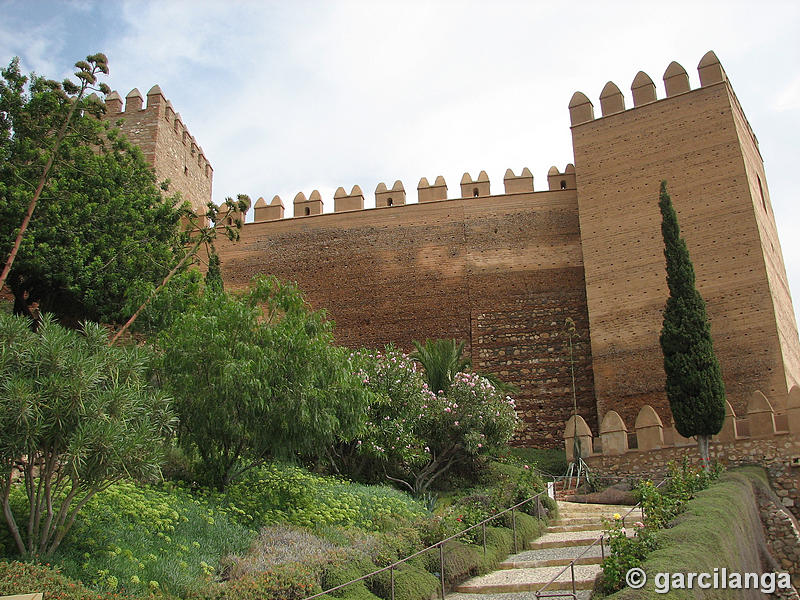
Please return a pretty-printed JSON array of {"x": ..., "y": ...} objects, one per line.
[{"x": 285, "y": 97}]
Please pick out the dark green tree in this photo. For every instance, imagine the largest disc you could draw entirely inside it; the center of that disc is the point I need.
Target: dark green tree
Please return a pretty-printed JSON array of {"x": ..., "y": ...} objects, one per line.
[
  {"x": 214, "y": 274},
  {"x": 101, "y": 224},
  {"x": 76, "y": 415},
  {"x": 257, "y": 376},
  {"x": 694, "y": 384}
]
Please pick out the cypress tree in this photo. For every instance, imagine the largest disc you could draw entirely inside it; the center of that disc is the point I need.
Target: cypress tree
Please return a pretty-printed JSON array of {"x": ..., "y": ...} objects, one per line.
[
  {"x": 214, "y": 274},
  {"x": 694, "y": 384}
]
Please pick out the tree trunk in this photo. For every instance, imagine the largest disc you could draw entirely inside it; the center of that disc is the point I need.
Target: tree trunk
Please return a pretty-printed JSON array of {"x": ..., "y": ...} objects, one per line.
[{"x": 702, "y": 444}]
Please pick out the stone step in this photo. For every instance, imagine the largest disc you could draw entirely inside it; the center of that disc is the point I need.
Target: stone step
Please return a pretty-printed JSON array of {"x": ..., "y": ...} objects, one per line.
[
  {"x": 589, "y": 526},
  {"x": 579, "y": 595},
  {"x": 576, "y": 521},
  {"x": 530, "y": 580},
  {"x": 553, "y": 562},
  {"x": 553, "y": 556},
  {"x": 566, "y": 539}
]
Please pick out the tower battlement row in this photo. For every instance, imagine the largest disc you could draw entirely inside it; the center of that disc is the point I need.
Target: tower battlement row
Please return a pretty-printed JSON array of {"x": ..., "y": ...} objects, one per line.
[
  {"x": 643, "y": 90},
  {"x": 165, "y": 142}
]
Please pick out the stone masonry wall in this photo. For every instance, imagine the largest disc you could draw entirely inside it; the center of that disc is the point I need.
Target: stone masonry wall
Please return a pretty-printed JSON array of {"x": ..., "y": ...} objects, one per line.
[
  {"x": 502, "y": 273},
  {"x": 165, "y": 142}
]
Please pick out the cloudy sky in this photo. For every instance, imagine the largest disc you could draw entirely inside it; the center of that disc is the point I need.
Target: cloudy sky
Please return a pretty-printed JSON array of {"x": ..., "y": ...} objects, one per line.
[{"x": 294, "y": 96}]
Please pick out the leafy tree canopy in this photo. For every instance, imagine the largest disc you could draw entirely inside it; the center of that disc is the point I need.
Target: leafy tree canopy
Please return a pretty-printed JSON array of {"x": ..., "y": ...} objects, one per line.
[
  {"x": 101, "y": 224},
  {"x": 256, "y": 376}
]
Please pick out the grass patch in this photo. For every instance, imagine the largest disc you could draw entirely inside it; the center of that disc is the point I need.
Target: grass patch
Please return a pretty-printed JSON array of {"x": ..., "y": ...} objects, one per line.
[{"x": 548, "y": 461}]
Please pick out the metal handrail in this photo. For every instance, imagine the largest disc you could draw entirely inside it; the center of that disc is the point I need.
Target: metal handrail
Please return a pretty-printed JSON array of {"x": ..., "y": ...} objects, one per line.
[
  {"x": 571, "y": 564},
  {"x": 440, "y": 545}
]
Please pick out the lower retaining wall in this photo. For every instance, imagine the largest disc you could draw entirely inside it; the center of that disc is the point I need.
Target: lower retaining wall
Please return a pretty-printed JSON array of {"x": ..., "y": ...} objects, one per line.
[
  {"x": 774, "y": 453},
  {"x": 720, "y": 529}
]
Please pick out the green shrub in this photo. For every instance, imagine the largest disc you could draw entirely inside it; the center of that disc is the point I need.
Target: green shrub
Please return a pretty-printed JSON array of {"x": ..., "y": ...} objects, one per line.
[
  {"x": 279, "y": 493},
  {"x": 660, "y": 506},
  {"x": 18, "y": 578},
  {"x": 411, "y": 583},
  {"x": 123, "y": 535},
  {"x": 282, "y": 582},
  {"x": 341, "y": 573}
]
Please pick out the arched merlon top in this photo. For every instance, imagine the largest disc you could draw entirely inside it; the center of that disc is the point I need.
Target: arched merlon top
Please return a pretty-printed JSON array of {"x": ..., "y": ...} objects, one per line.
[
  {"x": 343, "y": 202},
  {"x": 647, "y": 417},
  {"x": 386, "y": 197},
  {"x": 611, "y": 99},
  {"x": 710, "y": 69},
  {"x": 583, "y": 428},
  {"x": 134, "y": 100},
  {"x": 581, "y": 109},
  {"x": 517, "y": 185},
  {"x": 643, "y": 89},
  {"x": 566, "y": 180},
  {"x": 473, "y": 189},
  {"x": 676, "y": 80},
  {"x": 429, "y": 193},
  {"x": 612, "y": 422}
]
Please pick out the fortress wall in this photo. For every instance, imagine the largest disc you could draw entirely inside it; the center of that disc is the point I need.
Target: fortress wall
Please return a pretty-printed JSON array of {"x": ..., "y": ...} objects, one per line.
[
  {"x": 770, "y": 245},
  {"x": 692, "y": 140},
  {"x": 165, "y": 142},
  {"x": 501, "y": 272}
]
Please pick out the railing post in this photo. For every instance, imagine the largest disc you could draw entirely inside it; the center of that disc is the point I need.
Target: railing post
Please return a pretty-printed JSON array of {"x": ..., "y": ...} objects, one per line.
[
  {"x": 483, "y": 528},
  {"x": 514, "y": 528},
  {"x": 537, "y": 509},
  {"x": 441, "y": 566},
  {"x": 572, "y": 570},
  {"x": 391, "y": 577},
  {"x": 602, "y": 547}
]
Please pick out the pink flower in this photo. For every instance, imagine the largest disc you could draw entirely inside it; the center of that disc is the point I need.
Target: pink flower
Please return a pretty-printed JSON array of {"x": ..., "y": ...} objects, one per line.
[
  {"x": 526, "y": 467},
  {"x": 638, "y": 524}
]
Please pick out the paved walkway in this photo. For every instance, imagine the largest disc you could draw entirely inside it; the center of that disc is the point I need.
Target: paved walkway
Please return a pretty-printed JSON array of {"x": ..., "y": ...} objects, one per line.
[{"x": 572, "y": 535}]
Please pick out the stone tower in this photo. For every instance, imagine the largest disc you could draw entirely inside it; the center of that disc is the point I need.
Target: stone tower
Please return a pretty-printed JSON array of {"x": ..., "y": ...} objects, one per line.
[
  {"x": 701, "y": 143},
  {"x": 165, "y": 142}
]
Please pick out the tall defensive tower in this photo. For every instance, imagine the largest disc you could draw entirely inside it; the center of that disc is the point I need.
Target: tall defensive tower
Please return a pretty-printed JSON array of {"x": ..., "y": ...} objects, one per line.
[
  {"x": 701, "y": 142},
  {"x": 165, "y": 142}
]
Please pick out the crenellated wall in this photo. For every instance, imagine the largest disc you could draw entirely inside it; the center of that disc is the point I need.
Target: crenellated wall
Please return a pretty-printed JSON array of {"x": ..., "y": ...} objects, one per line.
[
  {"x": 762, "y": 436},
  {"x": 502, "y": 272},
  {"x": 165, "y": 142}
]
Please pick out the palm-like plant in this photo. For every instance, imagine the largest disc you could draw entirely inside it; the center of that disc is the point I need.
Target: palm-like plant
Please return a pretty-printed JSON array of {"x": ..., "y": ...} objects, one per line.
[{"x": 441, "y": 360}]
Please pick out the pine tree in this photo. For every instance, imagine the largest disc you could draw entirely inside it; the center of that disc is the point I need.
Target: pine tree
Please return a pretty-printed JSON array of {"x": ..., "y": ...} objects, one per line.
[{"x": 694, "y": 384}]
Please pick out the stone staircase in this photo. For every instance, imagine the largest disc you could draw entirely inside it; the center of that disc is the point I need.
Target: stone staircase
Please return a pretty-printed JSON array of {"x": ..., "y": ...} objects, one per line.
[{"x": 521, "y": 575}]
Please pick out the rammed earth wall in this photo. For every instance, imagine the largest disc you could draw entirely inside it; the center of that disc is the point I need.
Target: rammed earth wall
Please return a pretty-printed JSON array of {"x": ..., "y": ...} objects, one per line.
[{"x": 503, "y": 274}]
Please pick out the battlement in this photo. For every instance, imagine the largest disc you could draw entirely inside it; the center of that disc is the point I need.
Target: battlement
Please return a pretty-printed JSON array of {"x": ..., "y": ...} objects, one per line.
[
  {"x": 165, "y": 142},
  {"x": 426, "y": 192},
  {"x": 761, "y": 421},
  {"x": 643, "y": 90}
]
